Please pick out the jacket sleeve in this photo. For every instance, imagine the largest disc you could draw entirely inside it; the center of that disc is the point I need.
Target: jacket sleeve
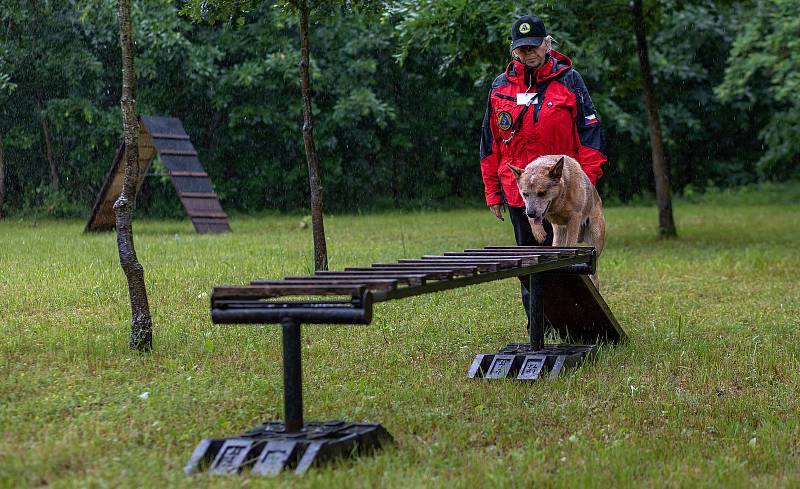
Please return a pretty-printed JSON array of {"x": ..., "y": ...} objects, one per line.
[
  {"x": 490, "y": 158},
  {"x": 590, "y": 138}
]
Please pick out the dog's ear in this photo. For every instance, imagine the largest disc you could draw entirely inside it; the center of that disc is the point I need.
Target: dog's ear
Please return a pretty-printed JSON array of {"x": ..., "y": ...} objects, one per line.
[
  {"x": 517, "y": 171},
  {"x": 557, "y": 170}
]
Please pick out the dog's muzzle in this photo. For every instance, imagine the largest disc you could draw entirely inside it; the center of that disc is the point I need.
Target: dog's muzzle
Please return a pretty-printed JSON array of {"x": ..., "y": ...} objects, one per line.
[{"x": 532, "y": 215}]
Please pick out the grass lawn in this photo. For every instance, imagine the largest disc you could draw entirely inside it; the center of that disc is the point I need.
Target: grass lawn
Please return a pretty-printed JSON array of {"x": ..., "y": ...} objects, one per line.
[{"x": 705, "y": 393}]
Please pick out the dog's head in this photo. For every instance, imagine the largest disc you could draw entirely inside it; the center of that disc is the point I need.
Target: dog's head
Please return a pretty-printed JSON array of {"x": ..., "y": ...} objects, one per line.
[{"x": 539, "y": 183}]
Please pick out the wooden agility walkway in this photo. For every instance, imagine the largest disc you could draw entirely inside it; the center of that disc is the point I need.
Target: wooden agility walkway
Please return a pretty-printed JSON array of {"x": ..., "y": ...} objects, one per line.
[{"x": 561, "y": 295}]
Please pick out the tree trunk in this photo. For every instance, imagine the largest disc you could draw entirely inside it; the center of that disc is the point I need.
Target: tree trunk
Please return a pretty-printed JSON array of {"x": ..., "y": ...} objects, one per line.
[
  {"x": 666, "y": 224},
  {"x": 55, "y": 183},
  {"x": 320, "y": 249},
  {"x": 2, "y": 179},
  {"x": 141, "y": 322}
]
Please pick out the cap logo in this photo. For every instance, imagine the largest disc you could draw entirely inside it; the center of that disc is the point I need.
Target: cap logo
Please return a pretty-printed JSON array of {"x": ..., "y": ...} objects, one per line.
[
  {"x": 524, "y": 28},
  {"x": 504, "y": 120}
]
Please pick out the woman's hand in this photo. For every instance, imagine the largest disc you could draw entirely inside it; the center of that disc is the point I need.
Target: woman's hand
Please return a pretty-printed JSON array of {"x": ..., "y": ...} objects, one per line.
[{"x": 497, "y": 210}]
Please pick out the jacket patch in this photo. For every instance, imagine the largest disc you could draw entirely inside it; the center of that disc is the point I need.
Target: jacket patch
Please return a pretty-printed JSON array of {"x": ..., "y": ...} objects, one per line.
[{"x": 504, "y": 120}]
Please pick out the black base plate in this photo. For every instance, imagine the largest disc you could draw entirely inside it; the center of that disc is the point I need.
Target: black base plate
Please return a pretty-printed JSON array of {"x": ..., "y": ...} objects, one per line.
[
  {"x": 268, "y": 449},
  {"x": 521, "y": 362}
]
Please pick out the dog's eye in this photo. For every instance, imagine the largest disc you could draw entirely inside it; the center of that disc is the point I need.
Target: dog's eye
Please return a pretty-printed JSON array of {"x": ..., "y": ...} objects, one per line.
[
  {"x": 524, "y": 194},
  {"x": 541, "y": 194}
]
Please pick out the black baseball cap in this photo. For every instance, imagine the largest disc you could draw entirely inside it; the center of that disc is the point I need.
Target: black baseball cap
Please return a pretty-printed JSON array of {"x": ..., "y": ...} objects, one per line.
[{"x": 528, "y": 31}]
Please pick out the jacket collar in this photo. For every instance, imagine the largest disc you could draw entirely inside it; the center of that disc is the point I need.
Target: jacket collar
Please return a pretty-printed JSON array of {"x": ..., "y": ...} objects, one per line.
[{"x": 553, "y": 67}]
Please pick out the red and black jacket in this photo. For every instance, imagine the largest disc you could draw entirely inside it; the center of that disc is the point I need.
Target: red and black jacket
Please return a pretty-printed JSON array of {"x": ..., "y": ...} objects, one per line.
[{"x": 561, "y": 119}]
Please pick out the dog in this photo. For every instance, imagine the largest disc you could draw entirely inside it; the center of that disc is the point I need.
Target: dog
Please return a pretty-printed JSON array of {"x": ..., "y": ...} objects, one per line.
[{"x": 555, "y": 187}]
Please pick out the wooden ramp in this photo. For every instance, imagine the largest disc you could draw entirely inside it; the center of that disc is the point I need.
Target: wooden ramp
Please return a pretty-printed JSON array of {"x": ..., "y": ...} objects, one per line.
[
  {"x": 166, "y": 137},
  {"x": 576, "y": 310}
]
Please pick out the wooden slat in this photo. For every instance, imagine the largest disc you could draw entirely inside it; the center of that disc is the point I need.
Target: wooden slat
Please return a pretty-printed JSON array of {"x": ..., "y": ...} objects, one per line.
[
  {"x": 500, "y": 255},
  {"x": 481, "y": 267},
  {"x": 326, "y": 279},
  {"x": 178, "y": 152},
  {"x": 418, "y": 278},
  {"x": 531, "y": 258},
  {"x": 526, "y": 259},
  {"x": 567, "y": 252},
  {"x": 403, "y": 279},
  {"x": 211, "y": 220},
  {"x": 538, "y": 247},
  {"x": 461, "y": 270},
  {"x": 202, "y": 206},
  {"x": 163, "y": 135},
  {"x": 428, "y": 275},
  {"x": 197, "y": 195},
  {"x": 476, "y": 258},
  {"x": 372, "y": 284},
  {"x": 364, "y": 271},
  {"x": 188, "y": 174},
  {"x": 206, "y": 214},
  {"x": 503, "y": 253},
  {"x": 498, "y": 259},
  {"x": 503, "y": 262},
  {"x": 282, "y": 289}
]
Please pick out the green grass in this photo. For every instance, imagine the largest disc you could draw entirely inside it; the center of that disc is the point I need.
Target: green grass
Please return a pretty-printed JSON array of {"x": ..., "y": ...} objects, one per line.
[{"x": 704, "y": 394}]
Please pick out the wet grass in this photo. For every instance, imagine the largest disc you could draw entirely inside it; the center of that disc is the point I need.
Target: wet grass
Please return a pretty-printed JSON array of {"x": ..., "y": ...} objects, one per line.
[{"x": 704, "y": 394}]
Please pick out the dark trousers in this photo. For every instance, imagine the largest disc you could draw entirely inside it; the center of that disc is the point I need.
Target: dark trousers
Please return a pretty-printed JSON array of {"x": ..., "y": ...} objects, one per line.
[{"x": 524, "y": 236}]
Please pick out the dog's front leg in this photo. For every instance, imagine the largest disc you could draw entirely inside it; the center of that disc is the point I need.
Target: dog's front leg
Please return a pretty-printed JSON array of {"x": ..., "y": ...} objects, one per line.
[
  {"x": 573, "y": 230},
  {"x": 539, "y": 234},
  {"x": 559, "y": 235}
]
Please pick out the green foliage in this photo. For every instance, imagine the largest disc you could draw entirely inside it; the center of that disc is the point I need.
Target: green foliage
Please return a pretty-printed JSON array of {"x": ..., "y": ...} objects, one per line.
[
  {"x": 398, "y": 99},
  {"x": 465, "y": 36},
  {"x": 7, "y": 87},
  {"x": 54, "y": 64},
  {"x": 230, "y": 12},
  {"x": 233, "y": 13},
  {"x": 763, "y": 75}
]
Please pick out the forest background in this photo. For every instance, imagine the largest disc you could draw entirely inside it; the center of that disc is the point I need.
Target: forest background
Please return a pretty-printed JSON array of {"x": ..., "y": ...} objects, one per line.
[{"x": 399, "y": 95}]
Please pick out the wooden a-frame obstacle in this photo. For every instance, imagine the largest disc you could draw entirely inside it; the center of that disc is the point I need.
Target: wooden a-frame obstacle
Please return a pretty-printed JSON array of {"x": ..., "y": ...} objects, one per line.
[{"x": 166, "y": 137}]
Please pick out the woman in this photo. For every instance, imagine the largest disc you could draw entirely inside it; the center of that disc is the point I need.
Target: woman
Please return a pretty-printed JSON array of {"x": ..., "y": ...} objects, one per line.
[{"x": 538, "y": 106}]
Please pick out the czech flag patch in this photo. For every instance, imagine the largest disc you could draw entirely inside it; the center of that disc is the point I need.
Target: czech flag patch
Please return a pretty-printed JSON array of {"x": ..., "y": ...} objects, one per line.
[{"x": 590, "y": 119}]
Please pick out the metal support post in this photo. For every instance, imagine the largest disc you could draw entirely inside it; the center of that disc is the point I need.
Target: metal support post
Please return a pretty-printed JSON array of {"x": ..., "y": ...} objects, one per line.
[
  {"x": 293, "y": 444},
  {"x": 292, "y": 376},
  {"x": 536, "y": 308}
]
